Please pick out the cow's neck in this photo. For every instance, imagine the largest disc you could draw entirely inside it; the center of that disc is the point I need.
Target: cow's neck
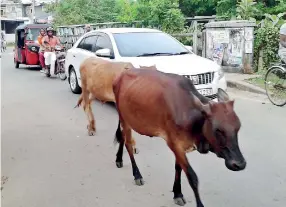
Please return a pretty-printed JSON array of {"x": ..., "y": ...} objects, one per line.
[{"x": 198, "y": 123}]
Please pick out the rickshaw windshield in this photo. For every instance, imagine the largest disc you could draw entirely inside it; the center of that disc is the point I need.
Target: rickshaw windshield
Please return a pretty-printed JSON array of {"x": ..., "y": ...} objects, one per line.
[{"x": 32, "y": 34}]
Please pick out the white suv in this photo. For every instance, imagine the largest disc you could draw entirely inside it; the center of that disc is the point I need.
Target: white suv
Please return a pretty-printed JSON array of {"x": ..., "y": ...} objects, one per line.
[{"x": 144, "y": 47}]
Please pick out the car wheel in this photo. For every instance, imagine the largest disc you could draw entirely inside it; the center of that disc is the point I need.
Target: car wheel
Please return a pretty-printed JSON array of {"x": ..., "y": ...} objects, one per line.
[
  {"x": 16, "y": 63},
  {"x": 75, "y": 88}
]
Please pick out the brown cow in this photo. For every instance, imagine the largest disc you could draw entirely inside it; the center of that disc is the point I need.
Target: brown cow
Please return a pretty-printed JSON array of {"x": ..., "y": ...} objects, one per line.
[
  {"x": 97, "y": 76},
  {"x": 154, "y": 103}
]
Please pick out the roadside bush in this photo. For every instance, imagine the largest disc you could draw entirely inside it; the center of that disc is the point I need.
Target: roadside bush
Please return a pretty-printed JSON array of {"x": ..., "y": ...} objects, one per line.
[{"x": 267, "y": 40}]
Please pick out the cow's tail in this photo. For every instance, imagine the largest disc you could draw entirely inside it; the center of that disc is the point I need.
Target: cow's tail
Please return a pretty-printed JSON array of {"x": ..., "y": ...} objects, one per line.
[
  {"x": 79, "y": 101},
  {"x": 118, "y": 135}
]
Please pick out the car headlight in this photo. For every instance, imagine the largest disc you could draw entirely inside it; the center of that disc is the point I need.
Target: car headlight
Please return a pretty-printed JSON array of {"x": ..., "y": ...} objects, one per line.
[{"x": 220, "y": 73}]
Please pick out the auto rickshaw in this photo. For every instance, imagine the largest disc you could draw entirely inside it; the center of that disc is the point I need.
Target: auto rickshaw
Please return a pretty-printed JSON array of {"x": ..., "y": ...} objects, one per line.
[{"x": 26, "y": 45}]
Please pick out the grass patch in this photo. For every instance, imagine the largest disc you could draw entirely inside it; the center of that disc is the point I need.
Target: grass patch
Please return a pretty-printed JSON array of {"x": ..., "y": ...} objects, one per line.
[{"x": 258, "y": 80}]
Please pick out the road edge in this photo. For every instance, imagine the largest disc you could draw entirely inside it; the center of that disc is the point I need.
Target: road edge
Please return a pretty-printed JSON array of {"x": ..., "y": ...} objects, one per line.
[{"x": 244, "y": 86}]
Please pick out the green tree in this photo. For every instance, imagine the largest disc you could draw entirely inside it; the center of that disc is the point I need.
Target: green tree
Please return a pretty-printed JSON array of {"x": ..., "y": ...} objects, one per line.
[
  {"x": 192, "y": 8},
  {"x": 167, "y": 15},
  {"x": 226, "y": 8},
  {"x": 127, "y": 10},
  {"x": 83, "y": 11},
  {"x": 246, "y": 9}
]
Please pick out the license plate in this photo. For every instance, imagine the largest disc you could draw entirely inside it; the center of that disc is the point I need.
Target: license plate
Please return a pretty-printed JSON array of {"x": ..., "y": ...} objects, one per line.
[{"x": 206, "y": 91}]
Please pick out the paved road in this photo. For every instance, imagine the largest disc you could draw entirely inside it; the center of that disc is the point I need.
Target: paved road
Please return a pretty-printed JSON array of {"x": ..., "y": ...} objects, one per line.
[{"x": 49, "y": 161}]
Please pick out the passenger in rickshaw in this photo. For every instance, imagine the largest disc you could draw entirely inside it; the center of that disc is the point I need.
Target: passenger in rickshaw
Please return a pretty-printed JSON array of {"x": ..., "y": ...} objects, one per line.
[
  {"x": 49, "y": 42},
  {"x": 21, "y": 44},
  {"x": 42, "y": 49}
]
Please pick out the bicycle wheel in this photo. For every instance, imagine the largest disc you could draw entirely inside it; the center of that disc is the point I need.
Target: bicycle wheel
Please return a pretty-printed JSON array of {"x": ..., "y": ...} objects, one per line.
[{"x": 275, "y": 85}]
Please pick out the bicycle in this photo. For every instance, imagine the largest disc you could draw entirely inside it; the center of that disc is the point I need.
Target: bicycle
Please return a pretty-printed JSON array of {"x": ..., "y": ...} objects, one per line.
[{"x": 275, "y": 84}]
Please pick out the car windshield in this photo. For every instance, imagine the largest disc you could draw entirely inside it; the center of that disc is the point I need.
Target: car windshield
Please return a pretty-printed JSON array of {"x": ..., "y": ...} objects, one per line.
[
  {"x": 147, "y": 44},
  {"x": 32, "y": 34}
]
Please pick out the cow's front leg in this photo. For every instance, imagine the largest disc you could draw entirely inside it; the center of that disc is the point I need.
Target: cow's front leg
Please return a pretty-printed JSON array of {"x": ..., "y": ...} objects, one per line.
[
  {"x": 182, "y": 160},
  {"x": 88, "y": 111},
  {"x": 177, "y": 190},
  {"x": 135, "y": 149}
]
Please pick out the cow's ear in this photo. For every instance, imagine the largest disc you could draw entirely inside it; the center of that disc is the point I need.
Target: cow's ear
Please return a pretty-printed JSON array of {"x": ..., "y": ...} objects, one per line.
[{"x": 222, "y": 95}]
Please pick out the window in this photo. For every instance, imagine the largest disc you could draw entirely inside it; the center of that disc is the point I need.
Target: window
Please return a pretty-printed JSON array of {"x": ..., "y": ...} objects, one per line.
[
  {"x": 139, "y": 43},
  {"x": 32, "y": 34},
  {"x": 2, "y": 13},
  {"x": 88, "y": 43},
  {"x": 81, "y": 44},
  {"x": 103, "y": 41}
]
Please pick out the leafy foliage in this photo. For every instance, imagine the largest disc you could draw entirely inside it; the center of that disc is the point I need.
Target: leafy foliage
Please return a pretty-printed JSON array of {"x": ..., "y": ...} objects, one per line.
[
  {"x": 246, "y": 9},
  {"x": 166, "y": 14},
  {"x": 267, "y": 39},
  {"x": 126, "y": 10},
  {"x": 156, "y": 13},
  {"x": 226, "y": 9},
  {"x": 198, "y": 7},
  {"x": 83, "y": 11}
]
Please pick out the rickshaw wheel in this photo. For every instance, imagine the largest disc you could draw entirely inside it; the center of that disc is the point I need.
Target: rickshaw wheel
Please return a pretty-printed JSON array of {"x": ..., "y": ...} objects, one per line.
[{"x": 16, "y": 63}]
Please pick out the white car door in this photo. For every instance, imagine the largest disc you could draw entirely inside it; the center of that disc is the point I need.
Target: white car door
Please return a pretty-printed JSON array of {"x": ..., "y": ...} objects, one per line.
[{"x": 84, "y": 50}]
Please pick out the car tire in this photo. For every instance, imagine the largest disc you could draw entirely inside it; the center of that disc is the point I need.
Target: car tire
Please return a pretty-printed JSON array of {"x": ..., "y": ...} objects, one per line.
[
  {"x": 75, "y": 88},
  {"x": 16, "y": 63}
]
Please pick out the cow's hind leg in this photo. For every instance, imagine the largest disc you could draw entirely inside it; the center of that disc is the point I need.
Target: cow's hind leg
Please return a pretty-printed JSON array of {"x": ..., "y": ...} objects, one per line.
[
  {"x": 120, "y": 139},
  {"x": 128, "y": 144},
  {"x": 87, "y": 108},
  {"x": 182, "y": 163}
]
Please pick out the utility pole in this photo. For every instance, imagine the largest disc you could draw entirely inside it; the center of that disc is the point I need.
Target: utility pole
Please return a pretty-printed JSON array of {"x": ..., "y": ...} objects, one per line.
[{"x": 33, "y": 11}]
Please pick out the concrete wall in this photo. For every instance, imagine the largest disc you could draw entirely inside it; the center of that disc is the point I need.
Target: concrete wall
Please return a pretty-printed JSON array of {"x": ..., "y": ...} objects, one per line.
[
  {"x": 10, "y": 38},
  {"x": 230, "y": 44}
]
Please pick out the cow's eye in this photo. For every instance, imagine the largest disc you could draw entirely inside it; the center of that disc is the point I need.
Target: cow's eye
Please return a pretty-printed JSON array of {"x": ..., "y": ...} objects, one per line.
[{"x": 221, "y": 138}]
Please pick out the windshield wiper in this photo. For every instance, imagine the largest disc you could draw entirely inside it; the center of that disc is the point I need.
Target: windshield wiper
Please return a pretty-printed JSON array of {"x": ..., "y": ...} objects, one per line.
[
  {"x": 182, "y": 53},
  {"x": 155, "y": 54}
]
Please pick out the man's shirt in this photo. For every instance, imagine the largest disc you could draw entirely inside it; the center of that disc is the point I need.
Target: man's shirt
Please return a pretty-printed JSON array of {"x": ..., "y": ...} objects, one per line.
[{"x": 52, "y": 41}]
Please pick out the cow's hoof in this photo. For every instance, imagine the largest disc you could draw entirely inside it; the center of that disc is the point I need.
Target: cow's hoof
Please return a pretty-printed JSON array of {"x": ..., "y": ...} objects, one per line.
[
  {"x": 180, "y": 201},
  {"x": 119, "y": 164},
  {"x": 136, "y": 150},
  {"x": 91, "y": 133},
  {"x": 90, "y": 130},
  {"x": 139, "y": 181}
]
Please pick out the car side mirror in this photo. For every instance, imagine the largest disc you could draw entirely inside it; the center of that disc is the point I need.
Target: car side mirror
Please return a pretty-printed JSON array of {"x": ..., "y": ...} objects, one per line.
[
  {"x": 103, "y": 53},
  {"x": 190, "y": 48}
]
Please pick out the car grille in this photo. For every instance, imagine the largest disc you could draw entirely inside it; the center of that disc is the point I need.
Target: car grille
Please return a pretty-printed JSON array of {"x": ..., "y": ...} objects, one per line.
[
  {"x": 204, "y": 78},
  {"x": 214, "y": 96}
]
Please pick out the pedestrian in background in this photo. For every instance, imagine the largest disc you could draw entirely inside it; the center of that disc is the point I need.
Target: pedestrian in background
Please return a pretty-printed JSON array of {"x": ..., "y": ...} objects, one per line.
[
  {"x": 87, "y": 28},
  {"x": 282, "y": 43}
]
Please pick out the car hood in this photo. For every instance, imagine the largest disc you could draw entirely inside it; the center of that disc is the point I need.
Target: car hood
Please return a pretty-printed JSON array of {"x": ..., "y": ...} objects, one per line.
[{"x": 189, "y": 64}]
